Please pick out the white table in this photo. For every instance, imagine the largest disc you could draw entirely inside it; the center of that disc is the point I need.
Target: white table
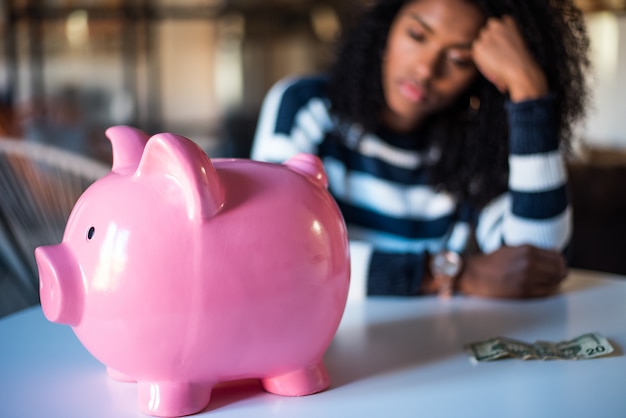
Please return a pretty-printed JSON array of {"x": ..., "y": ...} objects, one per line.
[{"x": 392, "y": 357}]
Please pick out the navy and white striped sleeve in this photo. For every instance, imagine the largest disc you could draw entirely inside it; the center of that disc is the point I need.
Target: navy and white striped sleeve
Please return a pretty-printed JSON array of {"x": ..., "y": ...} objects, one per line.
[
  {"x": 294, "y": 118},
  {"x": 536, "y": 209}
]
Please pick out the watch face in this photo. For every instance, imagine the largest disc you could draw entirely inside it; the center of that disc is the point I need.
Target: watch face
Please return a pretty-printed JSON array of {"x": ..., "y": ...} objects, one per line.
[
  {"x": 445, "y": 266},
  {"x": 447, "y": 263}
]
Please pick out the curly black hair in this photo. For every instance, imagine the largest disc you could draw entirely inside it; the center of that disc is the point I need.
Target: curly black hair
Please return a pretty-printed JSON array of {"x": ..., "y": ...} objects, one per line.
[{"x": 475, "y": 145}]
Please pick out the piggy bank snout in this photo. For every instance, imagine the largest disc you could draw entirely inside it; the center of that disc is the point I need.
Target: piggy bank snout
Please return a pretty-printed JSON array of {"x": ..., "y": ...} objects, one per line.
[{"x": 60, "y": 287}]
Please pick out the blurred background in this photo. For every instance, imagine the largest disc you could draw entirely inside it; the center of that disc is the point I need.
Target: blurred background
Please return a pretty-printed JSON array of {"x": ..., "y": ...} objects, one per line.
[{"x": 200, "y": 68}]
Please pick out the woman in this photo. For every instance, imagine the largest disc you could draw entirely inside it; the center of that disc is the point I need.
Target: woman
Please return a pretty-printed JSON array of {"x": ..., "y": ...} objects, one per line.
[{"x": 442, "y": 124}]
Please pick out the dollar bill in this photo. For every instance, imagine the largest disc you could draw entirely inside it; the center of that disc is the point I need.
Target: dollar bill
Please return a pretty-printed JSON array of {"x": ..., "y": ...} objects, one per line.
[{"x": 583, "y": 347}]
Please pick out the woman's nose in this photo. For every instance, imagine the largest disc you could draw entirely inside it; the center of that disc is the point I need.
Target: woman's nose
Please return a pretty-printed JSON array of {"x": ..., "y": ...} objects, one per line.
[{"x": 427, "y": 65}]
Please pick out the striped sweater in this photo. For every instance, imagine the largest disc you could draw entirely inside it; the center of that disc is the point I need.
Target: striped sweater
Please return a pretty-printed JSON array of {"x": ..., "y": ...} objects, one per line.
[{"x": 394, "y": 217}]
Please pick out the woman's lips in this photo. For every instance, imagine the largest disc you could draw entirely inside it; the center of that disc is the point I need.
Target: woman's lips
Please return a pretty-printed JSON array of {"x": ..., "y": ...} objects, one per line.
[{"x": 412, "y": 92}]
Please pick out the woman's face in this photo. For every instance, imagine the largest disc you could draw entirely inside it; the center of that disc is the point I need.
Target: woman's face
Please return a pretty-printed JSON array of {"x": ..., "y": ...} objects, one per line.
[{"x": 428, "y": 60}]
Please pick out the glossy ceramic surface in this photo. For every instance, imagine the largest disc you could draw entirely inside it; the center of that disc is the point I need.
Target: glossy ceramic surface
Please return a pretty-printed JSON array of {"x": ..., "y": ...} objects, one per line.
[{"x": 180, "y": 272}]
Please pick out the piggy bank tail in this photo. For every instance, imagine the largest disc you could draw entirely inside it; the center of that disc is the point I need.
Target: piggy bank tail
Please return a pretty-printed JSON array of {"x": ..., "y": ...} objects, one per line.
[{"x": 310, "y": 166}]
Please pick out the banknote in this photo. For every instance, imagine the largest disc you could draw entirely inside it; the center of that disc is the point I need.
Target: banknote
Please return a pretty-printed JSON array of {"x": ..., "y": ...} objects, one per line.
[{"x": 583, "y": 347}]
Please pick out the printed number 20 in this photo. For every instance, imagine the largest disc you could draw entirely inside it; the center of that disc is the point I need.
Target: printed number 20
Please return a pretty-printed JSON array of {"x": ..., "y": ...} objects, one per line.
[{"x": 595, "y": 350}]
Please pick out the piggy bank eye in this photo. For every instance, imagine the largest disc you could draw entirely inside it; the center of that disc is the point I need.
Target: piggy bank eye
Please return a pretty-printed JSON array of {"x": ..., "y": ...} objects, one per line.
[{"x": 90, "y": 233}]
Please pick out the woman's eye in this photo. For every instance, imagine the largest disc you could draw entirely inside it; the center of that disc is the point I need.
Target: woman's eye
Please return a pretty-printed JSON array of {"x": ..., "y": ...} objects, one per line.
[
  {"x": 461, "y": 62},
  {"x": 417, "y": 36}
]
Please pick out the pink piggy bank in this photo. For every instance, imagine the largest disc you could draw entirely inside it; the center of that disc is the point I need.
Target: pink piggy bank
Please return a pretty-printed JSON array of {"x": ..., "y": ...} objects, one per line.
[{"x": 179, "y": 272}]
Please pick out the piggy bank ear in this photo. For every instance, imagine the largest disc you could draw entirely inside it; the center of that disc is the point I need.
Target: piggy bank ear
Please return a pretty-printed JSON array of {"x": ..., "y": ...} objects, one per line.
[
  {"x": 175, "y": 157},
  {"x": 128, "y": 144}
]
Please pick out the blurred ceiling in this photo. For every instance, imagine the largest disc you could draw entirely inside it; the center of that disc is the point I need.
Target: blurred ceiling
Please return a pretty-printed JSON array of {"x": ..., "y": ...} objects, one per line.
[
  {"x": 589, "y": 6},
  {"x": 212, "y": 7}
]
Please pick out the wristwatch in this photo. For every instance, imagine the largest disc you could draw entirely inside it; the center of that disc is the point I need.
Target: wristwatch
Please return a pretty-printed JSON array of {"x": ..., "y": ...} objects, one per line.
[{"x": 445, "y": 267}]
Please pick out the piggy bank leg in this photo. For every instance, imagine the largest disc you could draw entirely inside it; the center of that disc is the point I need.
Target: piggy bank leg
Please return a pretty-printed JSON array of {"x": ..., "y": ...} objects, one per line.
[
  {"x": 173, "y": 399},
  {"x": 299, "y": 382},
  {"x": 117, "y": 375}
]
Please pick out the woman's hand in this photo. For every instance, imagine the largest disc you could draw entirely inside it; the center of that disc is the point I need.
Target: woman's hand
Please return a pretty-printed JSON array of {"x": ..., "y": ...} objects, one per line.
[
  {"x": 513, "y": 272},
  {"x": 501, "y": 55}
]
